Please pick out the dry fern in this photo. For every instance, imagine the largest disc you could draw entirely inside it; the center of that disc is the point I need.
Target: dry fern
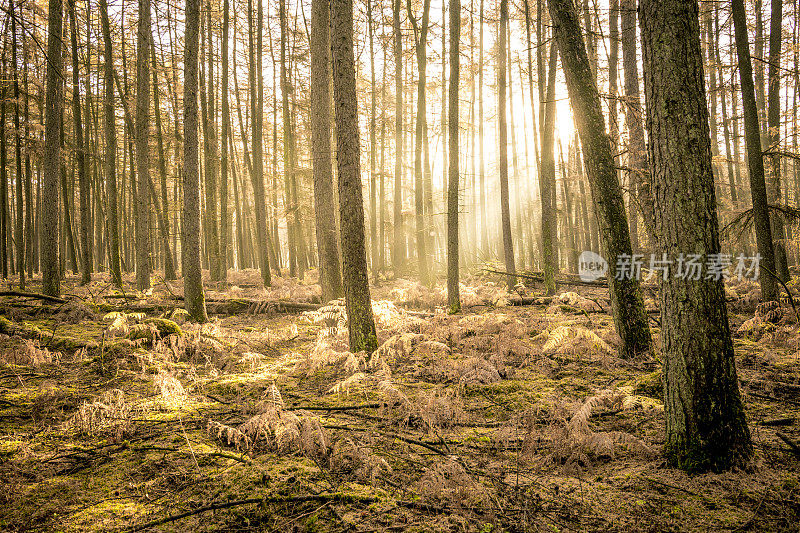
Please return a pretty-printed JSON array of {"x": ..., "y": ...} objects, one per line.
[{"x": 109, "y": 415}]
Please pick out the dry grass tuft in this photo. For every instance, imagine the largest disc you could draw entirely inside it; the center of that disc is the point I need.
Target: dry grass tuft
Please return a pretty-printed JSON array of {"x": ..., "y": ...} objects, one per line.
[{"x": 576, "y": 340}]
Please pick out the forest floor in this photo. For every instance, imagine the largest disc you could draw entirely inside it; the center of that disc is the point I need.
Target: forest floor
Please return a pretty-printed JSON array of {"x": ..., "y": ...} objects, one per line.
[{"x": 118, "y": 415}]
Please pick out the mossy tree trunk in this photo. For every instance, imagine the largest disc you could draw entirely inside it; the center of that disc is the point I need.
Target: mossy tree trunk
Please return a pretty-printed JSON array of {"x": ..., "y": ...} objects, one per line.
[
  {"x": 52, "y": 151},
  {"x": 351, "y": 207},
  {"x": 194, "y": 298},
  {"x": 705, "y": 421},
  {"x": 324, "y": 206}
]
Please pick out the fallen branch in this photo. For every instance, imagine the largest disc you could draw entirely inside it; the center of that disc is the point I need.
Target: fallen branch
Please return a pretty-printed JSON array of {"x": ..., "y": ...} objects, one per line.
[
  {"x": 537, "y": 276},
  {"x": 792, "y": 444},
  {"x": 35, "y": 295},
  {"x": 336, "y": 497}
]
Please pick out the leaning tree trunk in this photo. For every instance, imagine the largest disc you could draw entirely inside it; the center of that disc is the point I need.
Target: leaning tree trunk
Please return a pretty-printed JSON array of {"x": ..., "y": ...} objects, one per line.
[
  {"x": 330, "y": 278},
  {"x": 351, "y": 208},
  {"x": 453, "y": 299},
  {"x": 706, "y": 426},
  {"x": 758, "y": 188},
  {"x": 142, "y": 222},
  {"x": 627, "y": 305},
  {"x": 52, "y": 151},
  {"x": 194, "y": 299}
]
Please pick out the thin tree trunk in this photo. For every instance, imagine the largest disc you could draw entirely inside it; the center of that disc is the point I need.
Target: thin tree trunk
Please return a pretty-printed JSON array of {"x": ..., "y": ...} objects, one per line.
[
  {"x": 257, "y": 114},
  {"x": 420, "y": 48},
  {"x": 223, "y": 174},
  {"x": 505, "y": 210},
  {"x": 19, "y": 231},
  {"x": 774, "y": 138},
  {"x": 111, "y": 149},
  {"x": 398, "y": 244}
]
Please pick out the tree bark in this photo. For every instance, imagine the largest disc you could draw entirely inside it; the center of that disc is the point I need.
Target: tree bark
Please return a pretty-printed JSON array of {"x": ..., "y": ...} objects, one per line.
[
  {"x": 705, "y": 421},
  {"x": 360, "y": 322},
  {"x": 627, "y": 304},
  {"x": 453, "y": 299},
  {"x": 327, "y": 242},
  {"x": 52, "y": 151},
  {"x": 194, "y": 298},
  {"x": 142, "y": 224},
  {"x": 547, "y": 176}
]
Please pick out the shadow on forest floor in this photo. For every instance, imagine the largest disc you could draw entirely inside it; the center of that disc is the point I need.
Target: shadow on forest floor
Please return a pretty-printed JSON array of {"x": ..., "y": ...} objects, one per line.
[{"x": 117, "y": 415}]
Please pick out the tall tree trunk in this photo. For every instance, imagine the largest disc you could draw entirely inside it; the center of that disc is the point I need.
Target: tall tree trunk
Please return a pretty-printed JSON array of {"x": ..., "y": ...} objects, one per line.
[
  {"x": 257, "y": 114},
  {"x": 547, "y": 176},
  {"x": 774, "y": 138},
  {"x": 627, "y": 304},
  {"x": 111, "y": 149},
  {"x": 453, "y": 298},
  {"x": 52, "y": 151},
  {"x": 758, "y": 188},
  {"x": 5, "y": 230},
  {"x": 420, "y": 48},
  {"x": 81, "y": 160},
  {"x": 19, "y": 230},
  {"x": 356, "y": 282},
  {"x": 638, "y": 174},
  {"x": 505, "y": 210},
  {"x": 484, "y": 248},
  {"x": 706, "y": 426},
  {"x": 734, "y": 195},
  {"x": 194, "y": 298},
  {"x": 162, "y": 205},
  {"x": 398, "y": 242},
  {"x": 142, "y": 227},
  {"x": 327, "y": 242},
  {"x": 288, "y": 160},
  {"x": 211, "y": 152},
  {"x": 373, "y": 151},
  {"x": 225, "y": 229}
]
